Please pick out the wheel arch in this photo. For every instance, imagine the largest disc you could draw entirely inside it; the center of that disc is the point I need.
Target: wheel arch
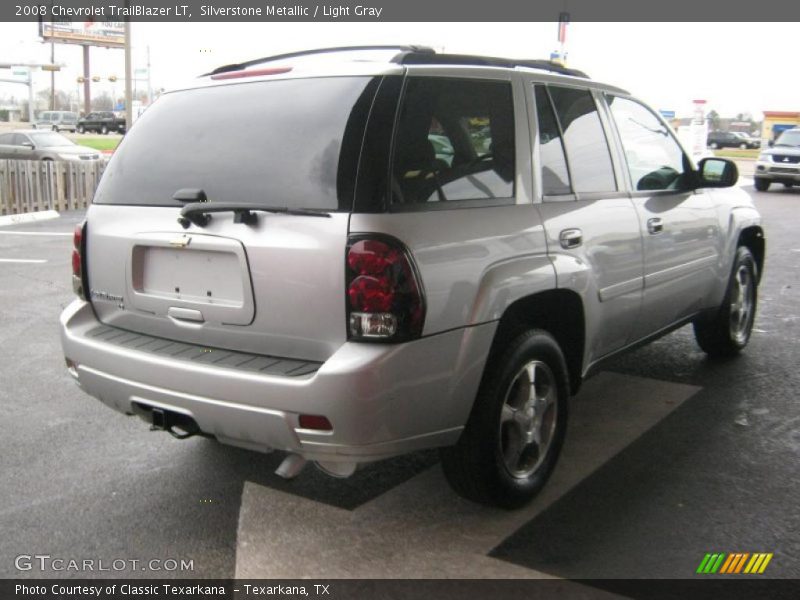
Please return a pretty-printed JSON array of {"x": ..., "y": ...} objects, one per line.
[
  {"x": 560, "y": 312},
  {"x": 753, "y": 238}
]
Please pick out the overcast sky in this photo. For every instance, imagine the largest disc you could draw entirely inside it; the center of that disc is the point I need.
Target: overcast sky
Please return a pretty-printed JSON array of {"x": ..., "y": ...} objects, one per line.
[{"x": 736, "y": 67}]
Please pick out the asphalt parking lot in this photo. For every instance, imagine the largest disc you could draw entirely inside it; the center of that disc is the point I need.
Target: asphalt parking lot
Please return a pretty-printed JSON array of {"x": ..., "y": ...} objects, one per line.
[{"x": 669, "y": 456}]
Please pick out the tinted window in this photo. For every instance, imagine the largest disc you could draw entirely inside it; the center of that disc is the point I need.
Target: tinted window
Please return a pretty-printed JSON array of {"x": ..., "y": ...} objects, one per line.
[
  {"x": 655, "y": 160},
  {"x": 18, "y": 139},
  {"x": 5, "y": 138},
  {"x": 555, "y": 175},
  {"x": 587, "y": 147},
  {"x": 455, "y": 141},
  {"x": 292, "y": 143}
]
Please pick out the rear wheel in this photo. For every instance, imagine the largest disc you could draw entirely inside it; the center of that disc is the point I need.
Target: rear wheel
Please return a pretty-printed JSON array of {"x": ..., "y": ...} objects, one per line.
[
  {"x": 743, "y": 146},
  {"x": 513, "y": 437},
  {"x": 761, "y": 184},
  {"x": 104, "y": 130},
  {"x": 55, "y": 128},
  {"x": 713, "y": 145},
  {"x": 727, "y": 332},
  {"x": 81, "y": 129}
]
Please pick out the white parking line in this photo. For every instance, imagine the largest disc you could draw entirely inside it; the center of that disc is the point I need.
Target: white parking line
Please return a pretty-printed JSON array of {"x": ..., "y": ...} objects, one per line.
[
  {"x": 55, "y": 233},
  {"x": 420, "y": 529},
  {"x": 22, "y": 260}
]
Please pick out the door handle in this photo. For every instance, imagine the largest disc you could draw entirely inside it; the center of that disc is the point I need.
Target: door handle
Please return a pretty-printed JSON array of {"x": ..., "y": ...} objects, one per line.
[
  {"x": 570, "y": 238},
  {"x": 655, "y": 226}
]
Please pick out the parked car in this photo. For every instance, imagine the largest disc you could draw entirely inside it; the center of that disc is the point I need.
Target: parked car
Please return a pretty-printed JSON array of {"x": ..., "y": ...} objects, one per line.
[
  {"x": 101, "y": 122},
  {"x": 780, "y": 163},
  {"x": 57, "y": 120},
  {"x": 34, "y": 144},
  {"x": 731, "y": 139},
  {"x": 349, "y": 296}
]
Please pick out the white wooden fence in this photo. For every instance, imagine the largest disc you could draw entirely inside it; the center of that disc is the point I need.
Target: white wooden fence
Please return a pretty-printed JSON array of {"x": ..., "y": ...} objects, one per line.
[{"x": 30, "y": 186}]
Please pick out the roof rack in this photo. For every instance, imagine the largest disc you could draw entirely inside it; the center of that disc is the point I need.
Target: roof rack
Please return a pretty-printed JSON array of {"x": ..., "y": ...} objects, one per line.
[
  {"x": 431, "y": 58},
  {"x": 415, "y": 55},
  {"x": 403, "y": 51}
]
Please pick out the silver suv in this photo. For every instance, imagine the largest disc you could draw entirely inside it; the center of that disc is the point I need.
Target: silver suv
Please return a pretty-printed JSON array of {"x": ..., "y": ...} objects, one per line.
[{"x": 351, "y": 254}]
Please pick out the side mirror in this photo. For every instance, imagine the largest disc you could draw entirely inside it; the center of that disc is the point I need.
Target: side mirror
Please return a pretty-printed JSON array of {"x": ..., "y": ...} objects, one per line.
[
  {"x": 717, "y": 172},
  {"x": 28, "y": 145},
  {"x": 771, "y": 143}
]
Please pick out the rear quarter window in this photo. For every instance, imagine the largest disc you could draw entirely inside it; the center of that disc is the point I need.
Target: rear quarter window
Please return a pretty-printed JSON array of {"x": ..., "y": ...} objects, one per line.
[{"x": 454, "y": 142}]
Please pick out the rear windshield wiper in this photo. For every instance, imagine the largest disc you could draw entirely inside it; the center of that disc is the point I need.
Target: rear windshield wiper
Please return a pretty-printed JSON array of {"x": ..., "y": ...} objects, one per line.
[{"x": 199, "y": 213}]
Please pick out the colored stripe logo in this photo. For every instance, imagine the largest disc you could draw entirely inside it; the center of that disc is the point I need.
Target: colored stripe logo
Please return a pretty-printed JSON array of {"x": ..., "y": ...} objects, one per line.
[{"x": 734, "y": 563}]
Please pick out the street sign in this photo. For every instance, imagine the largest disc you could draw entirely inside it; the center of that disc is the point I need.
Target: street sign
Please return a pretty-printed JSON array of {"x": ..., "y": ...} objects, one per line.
[
  {"x": 667, "y": 114},
  {"x": 19, "y": 71}
]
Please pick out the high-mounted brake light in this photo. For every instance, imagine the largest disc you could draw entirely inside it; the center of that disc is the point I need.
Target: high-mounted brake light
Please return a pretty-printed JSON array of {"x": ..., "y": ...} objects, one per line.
[
  {"x": 78, "y": 249},
  {"x": 251, "y": 73},
  {"x": 384, "y": 296}
]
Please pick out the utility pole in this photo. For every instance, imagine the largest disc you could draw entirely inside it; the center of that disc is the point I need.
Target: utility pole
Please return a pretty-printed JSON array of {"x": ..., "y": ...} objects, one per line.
[
  {"x": 87, "y": 78},
  {"x": 52, "y": 77},
  {"x": 128, "y": 76}
]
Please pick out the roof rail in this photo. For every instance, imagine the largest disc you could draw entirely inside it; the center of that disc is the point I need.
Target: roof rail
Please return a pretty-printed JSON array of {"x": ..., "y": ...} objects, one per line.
[
  {"x": 403, "y": 51},
  {"x": 431, "y": 58}
]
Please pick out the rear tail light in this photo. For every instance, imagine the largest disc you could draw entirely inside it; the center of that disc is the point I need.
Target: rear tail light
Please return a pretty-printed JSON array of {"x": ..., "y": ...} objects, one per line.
[
  {"x": 384, "y": 295},
  {"x": 78, "y": 252}
]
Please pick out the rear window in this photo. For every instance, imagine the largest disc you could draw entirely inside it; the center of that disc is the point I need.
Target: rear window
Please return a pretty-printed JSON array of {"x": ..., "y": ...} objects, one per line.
[{"x": 292, "y": 143}]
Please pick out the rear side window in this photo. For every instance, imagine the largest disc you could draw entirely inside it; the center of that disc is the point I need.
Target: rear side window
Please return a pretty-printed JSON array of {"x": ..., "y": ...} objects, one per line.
[
  {"x": 587, "y": 148},
  {"x": 454, "y": 141},
  {"x": 293, "y": 143}
]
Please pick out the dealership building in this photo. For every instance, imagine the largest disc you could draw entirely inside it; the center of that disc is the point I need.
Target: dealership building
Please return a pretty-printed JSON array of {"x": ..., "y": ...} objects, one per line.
[{"x": 777, "y": 121}]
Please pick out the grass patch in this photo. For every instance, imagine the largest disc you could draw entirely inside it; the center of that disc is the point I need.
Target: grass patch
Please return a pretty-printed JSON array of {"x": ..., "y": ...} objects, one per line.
[
  {"x": 98, "y": 143},
  {"x": 736, "y": 153}
]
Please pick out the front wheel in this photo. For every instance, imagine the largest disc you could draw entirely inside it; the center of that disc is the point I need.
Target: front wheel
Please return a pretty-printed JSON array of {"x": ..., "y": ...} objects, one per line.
[
  {"x": 742, "y": 146},
  {"x": 513, "y": 437},
  {"x": 81, "y": 129},
  {"x": 104, "y": 130},
  {"x": 727, "y": 332},
  {"x": 761, "y": 184},
  {"x": 713, "y": 145}
]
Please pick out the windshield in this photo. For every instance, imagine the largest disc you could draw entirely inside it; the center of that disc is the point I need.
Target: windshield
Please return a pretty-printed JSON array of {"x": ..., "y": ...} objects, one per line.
[
  {"x": 50, "y": 139},
  {"x": 789, "y": 138},
  {"x": 291, "y": 143}
]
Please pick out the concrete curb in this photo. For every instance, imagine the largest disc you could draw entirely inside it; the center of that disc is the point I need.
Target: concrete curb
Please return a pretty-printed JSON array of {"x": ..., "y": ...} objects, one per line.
[{"x": 31, "y": 217}]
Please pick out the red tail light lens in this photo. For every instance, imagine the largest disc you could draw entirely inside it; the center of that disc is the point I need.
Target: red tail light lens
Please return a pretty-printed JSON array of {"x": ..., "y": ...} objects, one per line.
[
  {"x": 78, "y": 246},
  {"x": 317, "y": 422},
  {"x": 384, "y": 296}
]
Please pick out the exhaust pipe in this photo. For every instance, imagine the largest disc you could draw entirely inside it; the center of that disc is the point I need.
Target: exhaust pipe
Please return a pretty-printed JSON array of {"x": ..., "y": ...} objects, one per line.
[
  {"x": 340, "y": 470},
  {"x": 291, "y": 466}
]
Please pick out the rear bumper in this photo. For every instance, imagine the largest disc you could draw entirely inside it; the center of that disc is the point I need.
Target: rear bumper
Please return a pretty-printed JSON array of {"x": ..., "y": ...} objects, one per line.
[{"x": 382, "y": 400}]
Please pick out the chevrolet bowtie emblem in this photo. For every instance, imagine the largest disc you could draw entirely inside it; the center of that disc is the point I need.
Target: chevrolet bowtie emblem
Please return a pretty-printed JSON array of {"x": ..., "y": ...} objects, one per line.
[
  {"x": 181, "y": 242},
  {"x": 786, "y": 159}
]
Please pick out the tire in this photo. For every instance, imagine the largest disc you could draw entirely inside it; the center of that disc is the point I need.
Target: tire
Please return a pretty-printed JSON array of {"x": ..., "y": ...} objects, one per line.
[
  {"x": 81, "y": 129},
  {"x": 761, "y": 184},
  {"x": 713, "y": 145},
  {"x": 727, "y": 332},
  {"x": 788, "y": 185},
  {"x": 507, "y": 451},
  {"x": 104, "y": 130},
  {"x": 742, "y": 146},
  {"x": 55, "y": 128}
]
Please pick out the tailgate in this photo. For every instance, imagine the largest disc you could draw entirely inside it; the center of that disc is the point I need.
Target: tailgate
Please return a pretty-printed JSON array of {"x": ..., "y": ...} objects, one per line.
[{"x": 276, "y": 287}]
